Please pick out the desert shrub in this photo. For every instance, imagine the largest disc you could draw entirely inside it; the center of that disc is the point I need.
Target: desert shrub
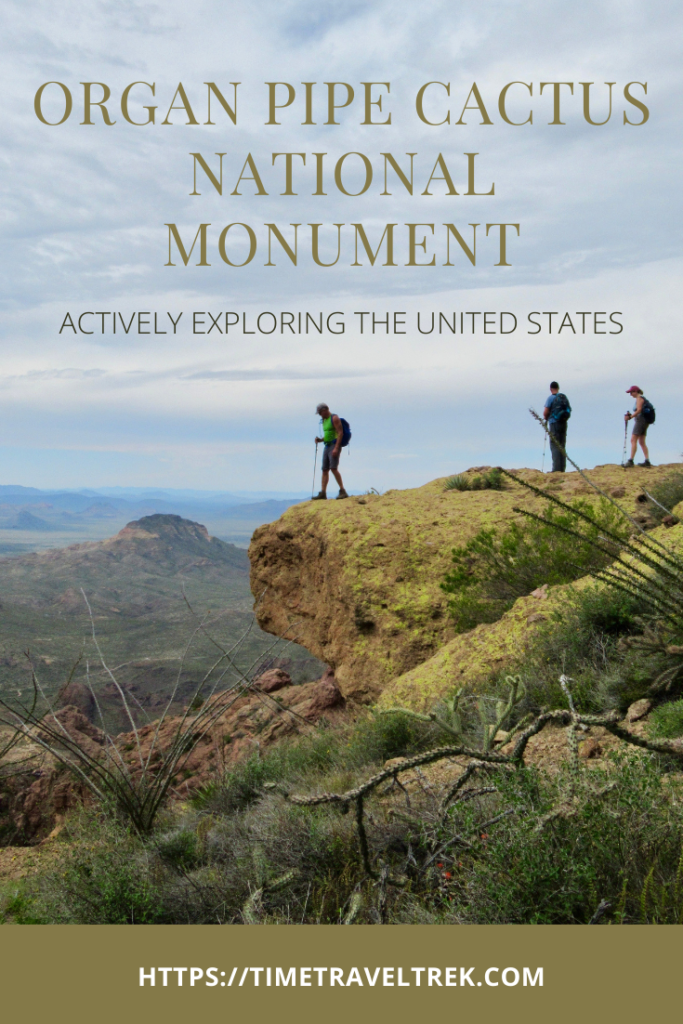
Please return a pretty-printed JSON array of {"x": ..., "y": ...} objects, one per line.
[
  {"x": 103, "y": 876},
  {"x": 639, "y": 567},
  {"x": 459, "y": 482},
  {"x": 271, "y": 862},
  {"x": 371, "y": 740},
  {"x": 666, "y": 721},
  {"x": 495, "y": 567},
  {"x": 566, "y": 848},
  {"x": 585, "y": 638},
  {"x": 526, "y": 848},
  {"x": 17, "y": 905},
  {"x": 668, "y": 492},
  {"x": 492, "y": 480},
  {"x": 180, "y": 849},
  {"x": 379, "y": 737}
]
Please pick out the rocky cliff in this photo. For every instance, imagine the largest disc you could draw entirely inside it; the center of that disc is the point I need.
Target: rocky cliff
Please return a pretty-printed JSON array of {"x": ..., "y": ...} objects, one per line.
[{"x": 357, "y": 582}]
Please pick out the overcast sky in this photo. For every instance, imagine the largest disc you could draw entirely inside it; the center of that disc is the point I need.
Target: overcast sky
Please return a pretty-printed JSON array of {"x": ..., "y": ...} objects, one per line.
[{"x": 85, "y": 206}]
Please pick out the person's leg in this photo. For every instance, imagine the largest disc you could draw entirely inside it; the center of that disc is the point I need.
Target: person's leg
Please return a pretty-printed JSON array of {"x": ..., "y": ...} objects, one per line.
[
  {"x": 562, "y": 439},
  {"x": 326, "y": 474},
  {"x": 643, "y": 445},
  {"x": 554, "y": 450},
  {"x": 634, "y": 445},
  {"x": 337, "y": 477}
]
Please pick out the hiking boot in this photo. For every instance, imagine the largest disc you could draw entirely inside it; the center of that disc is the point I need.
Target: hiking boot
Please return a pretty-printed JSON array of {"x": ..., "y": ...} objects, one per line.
[
  {"x": 319, "y": 497},
  {"x": 342, "y": 494},
  {"x": 629, "y": 465},
  {"x": 647, "y": 464}
]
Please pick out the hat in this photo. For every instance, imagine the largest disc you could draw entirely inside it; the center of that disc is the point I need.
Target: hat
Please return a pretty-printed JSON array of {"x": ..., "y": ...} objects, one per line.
[{"x": 634, "y": 387}]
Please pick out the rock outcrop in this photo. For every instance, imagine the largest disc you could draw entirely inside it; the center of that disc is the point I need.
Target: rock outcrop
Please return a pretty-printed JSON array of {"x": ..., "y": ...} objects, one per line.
[
  {"x": 357, "y": 582},
  {"x": 35, "y": 801},
  {"x": 471, "y": 658}
]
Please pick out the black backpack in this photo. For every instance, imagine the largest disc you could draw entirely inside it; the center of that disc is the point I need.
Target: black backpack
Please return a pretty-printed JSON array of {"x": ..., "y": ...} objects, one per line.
[
  {"x": 561, "y": 410},
  {"x": 648, "y": 412}
]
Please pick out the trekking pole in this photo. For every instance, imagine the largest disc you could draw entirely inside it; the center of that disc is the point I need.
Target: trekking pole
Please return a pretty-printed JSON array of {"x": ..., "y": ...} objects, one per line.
[
  {"x": 623, "y": 457},
  {"x": 315, "y": 463},
  {"x": 545, "y": 438}
]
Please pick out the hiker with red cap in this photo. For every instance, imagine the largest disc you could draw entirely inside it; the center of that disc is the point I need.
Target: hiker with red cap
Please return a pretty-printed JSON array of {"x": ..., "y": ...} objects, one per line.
[{"x": 643, "y": 415}]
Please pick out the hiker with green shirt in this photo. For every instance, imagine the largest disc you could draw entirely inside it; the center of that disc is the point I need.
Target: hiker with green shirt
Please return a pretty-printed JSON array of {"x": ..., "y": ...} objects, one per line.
[{"x": 333, "y": 436}]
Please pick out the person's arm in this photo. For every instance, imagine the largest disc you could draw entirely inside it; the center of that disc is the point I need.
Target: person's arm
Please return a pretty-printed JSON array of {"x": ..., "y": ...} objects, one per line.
[
  {"x": 546, "y": 412},
  {"x": 639, "y": 408},
  {"x": 339, "y": 431}
]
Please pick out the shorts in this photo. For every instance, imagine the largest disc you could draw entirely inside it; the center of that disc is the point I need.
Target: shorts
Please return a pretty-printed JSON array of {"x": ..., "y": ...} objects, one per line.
[
  {"x": 330, "y": 461},
  {"x": 639, "y": 427}
]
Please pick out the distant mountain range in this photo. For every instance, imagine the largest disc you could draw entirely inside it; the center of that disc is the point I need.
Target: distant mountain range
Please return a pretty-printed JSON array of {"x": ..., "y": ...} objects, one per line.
[
  {"x": 160, "y": 583},
  {"x": 132, "y": 499},
  {"x": 33, "y": 519}
]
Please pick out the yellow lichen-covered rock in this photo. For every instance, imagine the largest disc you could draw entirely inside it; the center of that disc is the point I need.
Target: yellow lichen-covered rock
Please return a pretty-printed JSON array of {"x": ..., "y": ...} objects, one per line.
[
  {"x": 472, "y": 658},
  {"x": 357, "y": 582}
]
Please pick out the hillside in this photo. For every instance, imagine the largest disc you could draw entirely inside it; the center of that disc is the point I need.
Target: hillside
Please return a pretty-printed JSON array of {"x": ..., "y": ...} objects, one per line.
[
  {"x": 361, "y": 578},
  {"x": 547, "y": 696},
  {"x": 134, "y": 582}
]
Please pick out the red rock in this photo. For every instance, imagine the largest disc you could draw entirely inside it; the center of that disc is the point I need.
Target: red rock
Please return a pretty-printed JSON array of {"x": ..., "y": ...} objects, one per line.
[
  {"x": 79, "y": 696},
  {"x": 326, "y": 694},
  {"x": 78, "y": 728},
  {"x": 274, "y": 679}
]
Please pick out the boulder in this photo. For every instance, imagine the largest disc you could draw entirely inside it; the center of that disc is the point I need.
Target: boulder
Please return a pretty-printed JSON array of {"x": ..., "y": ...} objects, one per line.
[
  {"x": 639, "y": 709},
  {"x": 273, "y": 680},
  {"x": 78, "y": 695}
]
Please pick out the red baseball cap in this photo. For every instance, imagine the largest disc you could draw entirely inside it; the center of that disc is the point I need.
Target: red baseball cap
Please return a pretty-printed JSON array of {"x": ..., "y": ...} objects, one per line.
[{"x": 634, "y": 387}]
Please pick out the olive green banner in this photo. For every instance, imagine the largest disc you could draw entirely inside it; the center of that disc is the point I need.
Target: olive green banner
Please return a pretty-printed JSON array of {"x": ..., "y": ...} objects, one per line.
[{"x": 494, "y": 972}]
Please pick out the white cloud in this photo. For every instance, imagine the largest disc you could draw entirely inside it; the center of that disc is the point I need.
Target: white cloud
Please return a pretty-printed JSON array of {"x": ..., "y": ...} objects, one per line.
[{"x": 84, "y": 209}]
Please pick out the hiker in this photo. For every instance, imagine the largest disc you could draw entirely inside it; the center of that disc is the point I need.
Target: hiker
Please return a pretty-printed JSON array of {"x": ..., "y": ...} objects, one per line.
[
  {"x": 643, "y": 415},
  {"x": 333, "y": 436},
  {"x": 557, "y": 411}
]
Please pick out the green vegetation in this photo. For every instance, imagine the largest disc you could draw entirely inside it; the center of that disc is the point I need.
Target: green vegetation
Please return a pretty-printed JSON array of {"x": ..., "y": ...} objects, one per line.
[
  {"x": 668, "y": 492},
  {"x": 523, "y": 847},
  {"x": 589, "y": 639},
  {"x": 667, "y": 720},
  {"x": 620, "y": 847},
  {"x": 491, "y": 480},
  {"x": 496, "y": 567},
  {"x": 445, "y": 817}
]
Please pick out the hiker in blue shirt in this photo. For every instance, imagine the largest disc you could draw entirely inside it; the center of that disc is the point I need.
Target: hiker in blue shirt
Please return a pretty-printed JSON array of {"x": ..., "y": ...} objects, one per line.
[{"x": 557, "y": 411}]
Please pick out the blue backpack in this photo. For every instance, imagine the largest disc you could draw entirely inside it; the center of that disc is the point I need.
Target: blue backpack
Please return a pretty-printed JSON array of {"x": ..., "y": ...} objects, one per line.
[
  {"x": 561, "y": 409},
  {"x": 346, "y": 431},
  {"x": 648, "y": 412}
]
